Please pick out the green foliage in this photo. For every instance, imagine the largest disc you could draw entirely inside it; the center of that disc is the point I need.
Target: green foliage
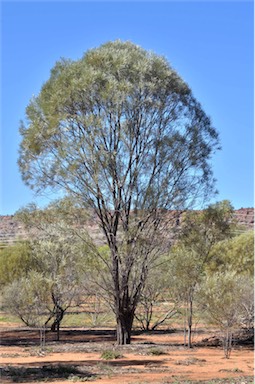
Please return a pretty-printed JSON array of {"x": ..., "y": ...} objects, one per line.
[
  {"x": 109, "y": 354},
  {"x": 8, "y": 318},
  {"x": 227, "y": 299},
  {"x": 192, "y": 254},
  {"x": 29, "y": 299},
  {"x": 62, "y": 226},
  {"x": 54, "y": 280},
  {"x": 156, "y": 351},
  {"x": 235, "y": 254},
  {"x": 221, "y": 296},
  {"x": 157, "y": 288},
  {"x": 201, "y": 230},
  {"x": 97, "y": 259},
  {"x": 184, "y": 272},
  {"x": 15, "y": 262},
  {"x": 94, "y": 115},
  {"x": 63, "y": 210}
]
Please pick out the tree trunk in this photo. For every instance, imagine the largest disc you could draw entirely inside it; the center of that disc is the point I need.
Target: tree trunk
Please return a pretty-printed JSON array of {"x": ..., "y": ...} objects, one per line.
[
  {"x": 227, "y": 342},
  {"x": 148, "y": 316},
  {"x": 42, "y": 337},
  {"x": 190, "y": 317},
  {"x": 124, "y": 327},
  {"x": 56, "y": 323},
  {"x": 185, "y": 325}
]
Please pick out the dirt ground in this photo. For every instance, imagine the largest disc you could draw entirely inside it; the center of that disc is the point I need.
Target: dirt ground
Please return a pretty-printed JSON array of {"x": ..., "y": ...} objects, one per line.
[{"x": 159, "y": 357}]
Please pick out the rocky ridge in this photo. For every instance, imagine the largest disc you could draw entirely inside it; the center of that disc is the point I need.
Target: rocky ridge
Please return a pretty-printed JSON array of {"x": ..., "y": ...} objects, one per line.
[{"x": 11, "y": 230}]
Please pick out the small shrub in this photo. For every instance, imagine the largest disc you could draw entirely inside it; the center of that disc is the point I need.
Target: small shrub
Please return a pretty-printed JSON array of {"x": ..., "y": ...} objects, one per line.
[
  {"x": 75, "y": 378},
  {"x": 109, "y": 354},
  {"x": 190, "y": 361},
  {"x": 156, "y": 352},
  {"x": 231, "y": 370}
]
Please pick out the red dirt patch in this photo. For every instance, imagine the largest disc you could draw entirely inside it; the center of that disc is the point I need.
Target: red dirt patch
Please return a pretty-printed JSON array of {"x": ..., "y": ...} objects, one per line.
[{"x": 158, "y": 357}]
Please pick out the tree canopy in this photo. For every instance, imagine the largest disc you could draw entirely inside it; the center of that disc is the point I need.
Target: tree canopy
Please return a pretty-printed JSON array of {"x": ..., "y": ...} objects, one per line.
[
  {"x": 235, "y": 254},
  {"x": 120, "y": 122},
  {"x": 15, "y": 262}
]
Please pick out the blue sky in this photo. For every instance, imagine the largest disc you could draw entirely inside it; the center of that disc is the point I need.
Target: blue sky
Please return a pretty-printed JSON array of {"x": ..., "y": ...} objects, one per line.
[{"x": 210, "y": 44}]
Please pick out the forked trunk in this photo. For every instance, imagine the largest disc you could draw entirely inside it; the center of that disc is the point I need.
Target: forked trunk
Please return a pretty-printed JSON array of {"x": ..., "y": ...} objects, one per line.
[{"x": 56, "y": 324}]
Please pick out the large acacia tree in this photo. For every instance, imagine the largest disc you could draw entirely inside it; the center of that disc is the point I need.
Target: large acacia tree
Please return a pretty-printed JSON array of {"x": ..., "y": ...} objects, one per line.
[{"x": 123, "y": 133}]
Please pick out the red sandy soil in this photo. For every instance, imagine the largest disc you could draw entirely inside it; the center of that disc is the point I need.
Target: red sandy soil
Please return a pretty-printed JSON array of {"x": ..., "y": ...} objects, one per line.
[{"x": 83, "y": 348}]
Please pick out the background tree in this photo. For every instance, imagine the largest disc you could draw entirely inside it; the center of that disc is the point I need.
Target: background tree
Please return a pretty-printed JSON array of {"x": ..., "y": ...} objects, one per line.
[
  {"x": 222, "y": 296},
  {"x": 203, "y": 229},
  {"x": 15, "y": 262},
  {"x": 61, "y": 258},
  {"x": 185, "y": 274},
  {"x": 236, "y": 255},
  {"x": 28, "y": 298},
  {"x": 233, "y": 254},
  {"x": 199, "y": 233},
  {"x": 57, "y": 255},
  {"x": 247, "y": 303},
  {"x": 151, "y": 311},
  {"x": 123, "y": 133}
]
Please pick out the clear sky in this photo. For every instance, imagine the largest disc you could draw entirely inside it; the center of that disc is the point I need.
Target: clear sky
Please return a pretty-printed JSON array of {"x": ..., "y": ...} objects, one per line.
[{"x": 210, "y": 44}]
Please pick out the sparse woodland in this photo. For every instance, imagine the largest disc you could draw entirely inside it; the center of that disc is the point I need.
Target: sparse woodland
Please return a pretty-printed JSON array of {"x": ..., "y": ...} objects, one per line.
[
  {"x": 207, "y": 274},
  {"x": 123, "y": 138}
]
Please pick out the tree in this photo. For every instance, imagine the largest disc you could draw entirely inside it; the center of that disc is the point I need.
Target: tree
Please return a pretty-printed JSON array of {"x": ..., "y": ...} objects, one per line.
[
  {"x": 121, "y": 132},
  {"x": 222, "y": 296},
  {"x": 15, "y": 261},
  {"x": 247, "y": 302},
  {"x": 61, "y": 257},
  {"x": 157, "y": 289},
  {"x": 185, "y": 274},
  {"x": 54, "y": 281},
  {"x": 193, "y": 251},
  {"x": 234, "y": 254},
  {"x": 28, "y": 298},
  {"x": 203, "y": 229}
]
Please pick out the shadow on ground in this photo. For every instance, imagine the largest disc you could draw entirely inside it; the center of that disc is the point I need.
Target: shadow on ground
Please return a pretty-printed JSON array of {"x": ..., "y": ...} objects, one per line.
[
  {"x": 31, "y": 337},
  {"x": 26, "y": 337},
  {"x": 57, "y": 372},
  {"x": 72, "y": 371}
]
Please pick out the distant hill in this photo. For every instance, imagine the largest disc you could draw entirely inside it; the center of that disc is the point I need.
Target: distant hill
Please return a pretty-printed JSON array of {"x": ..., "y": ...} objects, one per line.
[{"x": 12, "y": 230}]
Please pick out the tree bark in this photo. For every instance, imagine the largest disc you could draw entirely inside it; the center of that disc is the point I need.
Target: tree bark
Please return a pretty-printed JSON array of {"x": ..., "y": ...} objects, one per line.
[
  {"x": 227, "y": 343},
  {"x": 190, "y": 317},
  {"x": 124, "y": 327},
  {"x": 56, "y": 323}
]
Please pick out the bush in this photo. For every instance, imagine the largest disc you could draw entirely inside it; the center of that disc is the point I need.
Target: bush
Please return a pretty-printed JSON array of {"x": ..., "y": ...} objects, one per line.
[
  {"x": 111, "y": 355},
  {"x": 156, "y": 352}
]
